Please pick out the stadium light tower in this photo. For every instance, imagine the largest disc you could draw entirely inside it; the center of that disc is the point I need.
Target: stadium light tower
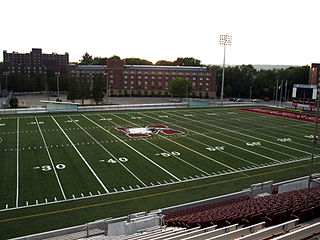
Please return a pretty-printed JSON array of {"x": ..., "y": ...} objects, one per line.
[{"x": 225, "y": 40}]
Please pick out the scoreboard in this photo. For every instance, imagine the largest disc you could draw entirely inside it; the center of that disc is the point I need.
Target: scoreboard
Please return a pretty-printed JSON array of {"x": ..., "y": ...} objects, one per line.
[{"x": 304, "y": 96}]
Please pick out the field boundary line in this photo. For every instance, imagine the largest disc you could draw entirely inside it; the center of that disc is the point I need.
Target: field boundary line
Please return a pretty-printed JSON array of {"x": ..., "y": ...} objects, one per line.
[
  {"x": 191, "y": 165},
  {"x": 141, "y": 154},
  {"x": 250, "y": 136},
  {"x": 17, "y": 187},
  {"x": 83, "y": 159},
  {"x": 151, "y": 195},
  {"x": 108, "y": 152},
  {"x": 50, "y": 158},
  {"x": 230, "y": 144}
]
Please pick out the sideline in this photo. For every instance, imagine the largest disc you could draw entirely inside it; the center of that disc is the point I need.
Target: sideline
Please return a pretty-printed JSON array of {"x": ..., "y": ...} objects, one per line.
[{"x": 151, "y": 195}]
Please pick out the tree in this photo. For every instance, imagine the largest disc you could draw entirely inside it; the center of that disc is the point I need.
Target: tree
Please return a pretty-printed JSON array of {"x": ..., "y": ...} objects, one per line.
[
  {"x": 179, "y": 87},
  {"x": 14, "y": 102},
  {"x": 73, "y": 89},
  {"x": 115, "y": 57},
  {"x": 99, "y": 61},
  {"x": 137, "y": 61},
  {"x": 86, "y": 59},
  {"x": 98, "y": 87},
  {"x": 85, "y": 92},
  {"x": 187, "y": 61},
  {"x": 164, "y": 63}
]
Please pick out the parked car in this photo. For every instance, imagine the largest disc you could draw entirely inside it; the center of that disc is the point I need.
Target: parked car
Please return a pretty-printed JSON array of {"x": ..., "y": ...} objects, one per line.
[
  {"x": 232, "y": 99},
  {"x": 239, "y": 100},
  {"x": 256, "y": 100}
]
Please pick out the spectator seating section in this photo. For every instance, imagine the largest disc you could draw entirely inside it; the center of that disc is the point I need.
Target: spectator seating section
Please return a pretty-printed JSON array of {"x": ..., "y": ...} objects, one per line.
[{"x": 273, "y": 209}]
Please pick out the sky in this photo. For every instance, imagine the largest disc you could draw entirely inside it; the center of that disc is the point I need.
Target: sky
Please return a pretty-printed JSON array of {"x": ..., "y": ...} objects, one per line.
[{"x": 275, "y": 32}]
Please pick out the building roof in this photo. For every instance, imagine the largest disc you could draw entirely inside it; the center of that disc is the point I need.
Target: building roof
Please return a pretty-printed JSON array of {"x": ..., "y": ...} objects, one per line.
[{"x": 157, "y": 67}]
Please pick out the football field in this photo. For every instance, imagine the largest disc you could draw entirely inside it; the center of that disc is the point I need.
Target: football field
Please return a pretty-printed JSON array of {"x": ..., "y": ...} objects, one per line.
[{"x": 62, "y": 158}]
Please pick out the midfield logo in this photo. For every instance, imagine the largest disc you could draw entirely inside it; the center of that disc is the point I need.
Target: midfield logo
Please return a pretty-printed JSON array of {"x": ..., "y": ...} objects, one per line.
[{"x": 135, "y": 132}]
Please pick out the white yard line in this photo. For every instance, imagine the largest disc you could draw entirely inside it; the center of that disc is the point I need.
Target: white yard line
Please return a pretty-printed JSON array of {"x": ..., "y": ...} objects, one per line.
[
  {"x": 49, "y": 155},
  {"x": 250, "y": 136},
  {"x": 258, "y": 154},
  {"x": 116, "y": 159},
  {"x": 83, "y": 159},
  {"x": 191, "y": 165},
  {"x": 17, "y": 191},
  {"x": 224, "y": 152},
  {"x": 120, "y": 140},
  {"x": 148, "y": 187},
  {"x": 237, "y": 132}
]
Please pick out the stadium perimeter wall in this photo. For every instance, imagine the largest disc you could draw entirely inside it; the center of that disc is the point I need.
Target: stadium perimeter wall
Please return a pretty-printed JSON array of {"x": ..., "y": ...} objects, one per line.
[{"x": 103, "y": 224}]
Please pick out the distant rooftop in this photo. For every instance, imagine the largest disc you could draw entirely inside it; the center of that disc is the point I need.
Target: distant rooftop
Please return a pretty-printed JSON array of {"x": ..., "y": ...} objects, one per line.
[{"x": 156, "y": 67}]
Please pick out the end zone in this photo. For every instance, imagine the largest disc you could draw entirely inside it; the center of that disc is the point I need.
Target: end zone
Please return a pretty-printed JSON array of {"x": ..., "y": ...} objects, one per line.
[{"x": 282, "y": 113}]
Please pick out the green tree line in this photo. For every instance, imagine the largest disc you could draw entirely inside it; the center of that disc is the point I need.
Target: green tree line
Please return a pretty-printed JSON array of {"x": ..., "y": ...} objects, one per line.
[{"x": 263, "y": 83}]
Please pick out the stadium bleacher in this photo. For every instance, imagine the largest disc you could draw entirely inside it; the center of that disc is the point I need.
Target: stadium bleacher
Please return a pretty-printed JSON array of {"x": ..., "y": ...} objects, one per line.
[
  {"x": 277, "y": 216},
  {"x": 272, "y": 209}
]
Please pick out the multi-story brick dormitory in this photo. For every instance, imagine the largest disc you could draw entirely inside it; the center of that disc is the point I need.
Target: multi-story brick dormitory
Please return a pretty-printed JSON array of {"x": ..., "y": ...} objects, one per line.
[
  {"x": 147, "y": 80},
  {"x": 314, "y": 77},
  {"x": 35, "y": 62}
]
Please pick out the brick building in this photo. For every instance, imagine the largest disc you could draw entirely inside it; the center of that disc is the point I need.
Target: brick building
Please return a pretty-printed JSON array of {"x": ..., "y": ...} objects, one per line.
[
  {"x": 35, "y": 62},
  {"x": 314, "y": 77},
  {"x": 147, "y": 80}
]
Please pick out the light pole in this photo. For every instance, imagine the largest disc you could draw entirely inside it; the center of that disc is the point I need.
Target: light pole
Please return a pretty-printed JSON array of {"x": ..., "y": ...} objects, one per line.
[
  {"x": 225, "y": 40},
  {"x": 58, "y": 75},
  {"x": 250, "y": 93}
]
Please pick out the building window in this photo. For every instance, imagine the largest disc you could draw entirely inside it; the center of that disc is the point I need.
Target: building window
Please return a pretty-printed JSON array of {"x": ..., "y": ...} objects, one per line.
[
  {"x": 131, "y": 71},
  {"x": 159, "y": 83},
  {"x": 152, "y": 77},
  {"x": 145, "y": 77},
  {"x": 187, "y": 78},
  {"x": 201, "y": 78},
  {"x": 207, "y": 84},
  {"x": 145, "y": 72},
  {"x": 132, "y": 77},
  {"x": 125, "y": 82},
  {"x": 180, "y": 73},
  {"x": 125, "y": 76},
  {"x": 193, "y": 78},
  {"x": 159, "y": 72},
  {"x": 139, "y": 77},
  {"x": 146, "y": 83},
  {"x": 207, "y": 78}
]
